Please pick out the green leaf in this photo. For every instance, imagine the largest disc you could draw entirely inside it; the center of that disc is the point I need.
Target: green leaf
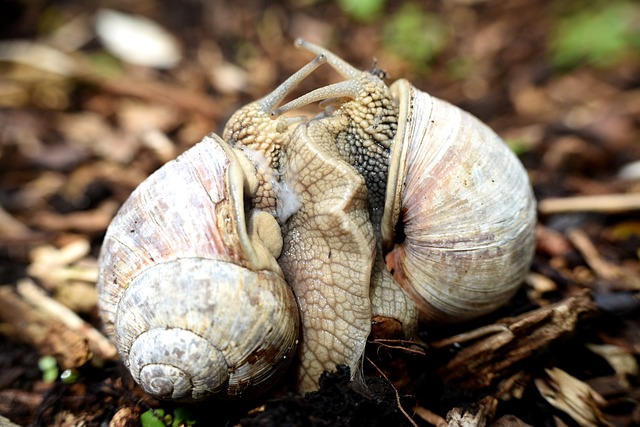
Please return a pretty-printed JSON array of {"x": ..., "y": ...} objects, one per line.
[
  {"x": 362, "y": 10},
  {"x": 601, "y": 35},
  {"x": 182, "y": 415},
  {"x": 49, "y": 368},
  {"x": 415, "y": 35},
  {"x": 153, "y": 418}
]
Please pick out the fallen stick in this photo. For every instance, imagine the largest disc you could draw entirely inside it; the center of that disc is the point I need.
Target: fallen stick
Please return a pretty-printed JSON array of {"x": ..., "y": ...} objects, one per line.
[
  {"x": 608, "y": 203},
  {"x": 48, "y": 336},
  {"x": 98, "y": 343}
]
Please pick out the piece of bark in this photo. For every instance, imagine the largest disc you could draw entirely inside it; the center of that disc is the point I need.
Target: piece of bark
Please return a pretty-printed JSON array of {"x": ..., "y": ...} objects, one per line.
[
  {"x": 53, "y": 267},
  {"x": 89, "y": 221},
  {"x": 125, "y": 417},
  {"x": 621, "y": 361},
  {"x": 493, "y": 351},
  {"x": 621, "y": 277},
  {"x": 49, "y": 336},
  {"x": 429, "y": 416},
  {"x": 98, "y": 343},
  {"x": 50, "y": 327}
]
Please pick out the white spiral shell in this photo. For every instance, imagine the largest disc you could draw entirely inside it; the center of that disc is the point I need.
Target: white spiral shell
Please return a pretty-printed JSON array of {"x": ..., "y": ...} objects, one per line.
[{"x": 193, "y": 299}]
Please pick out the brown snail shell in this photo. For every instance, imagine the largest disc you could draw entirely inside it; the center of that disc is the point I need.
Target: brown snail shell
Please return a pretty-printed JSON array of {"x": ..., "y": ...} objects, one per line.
[{"x": 189, "y": 291}]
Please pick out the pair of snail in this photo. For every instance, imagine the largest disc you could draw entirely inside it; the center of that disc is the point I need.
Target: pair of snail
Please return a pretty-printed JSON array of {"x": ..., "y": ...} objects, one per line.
[{"x": 279, "y": 242}]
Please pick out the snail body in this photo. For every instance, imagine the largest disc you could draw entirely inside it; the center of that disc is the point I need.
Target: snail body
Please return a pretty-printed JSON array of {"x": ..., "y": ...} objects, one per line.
[{"x": 388, "y": 204}]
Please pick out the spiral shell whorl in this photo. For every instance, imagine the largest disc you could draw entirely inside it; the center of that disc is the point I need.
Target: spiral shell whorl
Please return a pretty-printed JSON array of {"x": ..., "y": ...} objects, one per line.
[
  {"x": 182, "y": 339},
  {"x": 156, "y": 362}
]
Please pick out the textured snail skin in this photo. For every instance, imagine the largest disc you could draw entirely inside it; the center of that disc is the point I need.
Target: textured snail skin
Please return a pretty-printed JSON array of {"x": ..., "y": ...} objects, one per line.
[
  {"x": 328, "y": 254},
  {"x": 460, "y": 196},
  {"x": 361, "y": 118}
]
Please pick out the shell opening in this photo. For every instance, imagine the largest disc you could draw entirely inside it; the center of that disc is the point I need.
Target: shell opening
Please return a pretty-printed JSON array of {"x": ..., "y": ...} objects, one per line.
[{"x": 399, "y": 235}]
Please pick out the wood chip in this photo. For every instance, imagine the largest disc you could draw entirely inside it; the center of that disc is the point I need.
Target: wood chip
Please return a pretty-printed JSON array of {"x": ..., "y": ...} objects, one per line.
[
  {"x": 91, "y": 221},
  {"x": 430, "y": 417},
  {"x": 551, "y": 242},
  {"x": 55, "y": 267},
  {"x": 491, "y": 352},
  {"x": 475, "y": 416},
  {"x": 49, "y": 336},
  {"x": 34, "y": 295},
  {"x": 125, "y": 417},
  {"x": 573, "y": 397},
  {"x": 610, "y": 203},
  {"x": 604, "y": 269},
  {"x": 623, "y": 362}
]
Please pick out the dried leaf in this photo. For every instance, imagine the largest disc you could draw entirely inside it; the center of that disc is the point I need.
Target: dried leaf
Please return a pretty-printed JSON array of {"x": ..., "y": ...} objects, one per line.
[
  {"x": 623, "y": 362},
  {"x": 573, "y": 397}
]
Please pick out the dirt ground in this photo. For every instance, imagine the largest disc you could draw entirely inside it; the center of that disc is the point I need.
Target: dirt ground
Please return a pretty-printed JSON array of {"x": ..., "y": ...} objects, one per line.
[{"x": 82, "y": 124}]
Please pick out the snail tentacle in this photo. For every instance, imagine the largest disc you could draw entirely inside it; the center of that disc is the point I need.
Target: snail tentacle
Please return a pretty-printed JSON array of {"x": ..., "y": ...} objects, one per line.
[
  {"x": 345, "y": 69},
  {"x": 253, "y": 130},
  {"x": 271, "y": 101}
]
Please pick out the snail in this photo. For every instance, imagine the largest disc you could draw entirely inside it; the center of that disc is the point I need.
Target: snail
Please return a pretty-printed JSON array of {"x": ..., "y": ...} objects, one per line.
[
  {"x": 188, "y": 285},
  {"x": 279, "y": 242},
  {"x": 175, "y": 330}
]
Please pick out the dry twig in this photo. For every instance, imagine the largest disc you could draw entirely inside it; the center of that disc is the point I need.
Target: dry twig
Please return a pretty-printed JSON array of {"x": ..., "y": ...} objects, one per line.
[
  {"x": 99, "y": 344},
  {"x": 603, "y": 268},
  {"x": 609, "y": 203}
]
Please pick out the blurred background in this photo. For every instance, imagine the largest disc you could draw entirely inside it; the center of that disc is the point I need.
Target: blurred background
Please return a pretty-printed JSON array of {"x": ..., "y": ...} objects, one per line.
[{"x": 96, "y": 95}]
